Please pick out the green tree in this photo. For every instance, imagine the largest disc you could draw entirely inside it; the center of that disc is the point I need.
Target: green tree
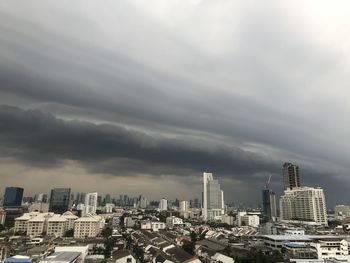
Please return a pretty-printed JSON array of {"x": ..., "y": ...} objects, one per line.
[
  {"x": 69, "y": 233},
  {"x": 107, "y": 232}
]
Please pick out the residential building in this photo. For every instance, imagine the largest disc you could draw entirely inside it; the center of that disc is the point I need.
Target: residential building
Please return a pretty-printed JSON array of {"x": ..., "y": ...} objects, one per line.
[
  {"x": 59, "y": 200},
  {"x": 87, "y": 226},
  {"x": 291, "y": 176},
  {"x": 213, "y": 198},
  {"x": 124, "y": 256},
  {"x": 173, "y": 221},
  {"x": 304, "y": 204},
  {"x": 57, "y": 226}
]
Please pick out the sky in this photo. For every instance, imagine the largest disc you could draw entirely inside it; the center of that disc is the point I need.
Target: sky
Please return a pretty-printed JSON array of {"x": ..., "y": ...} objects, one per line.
[{"x": 141, "y": 97}]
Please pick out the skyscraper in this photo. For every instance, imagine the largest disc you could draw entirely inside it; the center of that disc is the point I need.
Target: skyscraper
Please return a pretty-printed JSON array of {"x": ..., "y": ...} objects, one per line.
[
  {"x": 213, "y": 198},
  {"x": 59, "y": 200},
  {"x": 13, "y": 197},
  {"x": 163, "y": 204},
  {"x": 290, "y": 176},
  {"x": 90, "y": 203},
  {"x": 269, "y": 204}
]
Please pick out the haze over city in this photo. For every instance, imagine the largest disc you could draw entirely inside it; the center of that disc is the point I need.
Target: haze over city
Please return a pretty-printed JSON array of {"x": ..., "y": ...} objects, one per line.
[{"x": 142, "y": 97}]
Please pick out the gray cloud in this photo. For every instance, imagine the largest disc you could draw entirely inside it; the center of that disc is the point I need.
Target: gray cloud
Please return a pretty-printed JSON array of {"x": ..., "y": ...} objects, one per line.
[{"x": 177, "y": 88}]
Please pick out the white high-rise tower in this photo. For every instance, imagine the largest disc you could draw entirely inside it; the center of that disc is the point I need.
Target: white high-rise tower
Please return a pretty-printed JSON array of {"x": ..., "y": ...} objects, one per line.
[{"x": 213, "y": 198}]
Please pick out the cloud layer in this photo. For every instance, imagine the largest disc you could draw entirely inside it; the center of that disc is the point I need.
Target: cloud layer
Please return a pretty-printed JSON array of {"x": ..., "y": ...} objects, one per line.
[{"x": 172, "y": 89}]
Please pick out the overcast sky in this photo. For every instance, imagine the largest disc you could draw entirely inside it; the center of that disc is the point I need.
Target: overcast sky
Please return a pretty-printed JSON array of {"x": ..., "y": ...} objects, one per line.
[{"x": 143, "y": 96}]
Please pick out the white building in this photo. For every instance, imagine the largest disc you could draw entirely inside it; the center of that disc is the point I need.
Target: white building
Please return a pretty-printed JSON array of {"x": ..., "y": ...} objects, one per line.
[
  {"x": 87, "y": 226},
  {"x": 251, "y": 220},
  {"x": 304, "y": 204},
  {"x": 124, "y": 256},
  {"x": 173, "y": 221},
  {"x": 213, "y": 198},
  {"x": 90, "y": 204},
  {"x": 331, "y": 249},
  {"x": 184, "y": 206},
  {"x": 163, "y": 204}
]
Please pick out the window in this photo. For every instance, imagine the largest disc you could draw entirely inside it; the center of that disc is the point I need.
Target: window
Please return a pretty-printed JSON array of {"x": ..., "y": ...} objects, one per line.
[{"x": 129, "y": 260}]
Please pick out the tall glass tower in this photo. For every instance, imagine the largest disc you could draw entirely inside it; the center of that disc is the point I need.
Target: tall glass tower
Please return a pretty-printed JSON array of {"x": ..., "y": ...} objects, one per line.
[
  {"x": 213, "y": 198},
  {"x": 13, "y": 197},
  {"x": 59, "y": 201}
]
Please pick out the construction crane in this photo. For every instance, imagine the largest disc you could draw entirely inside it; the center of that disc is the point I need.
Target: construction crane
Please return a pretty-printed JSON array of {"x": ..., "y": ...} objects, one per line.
[{"x": 267, "y": 185}]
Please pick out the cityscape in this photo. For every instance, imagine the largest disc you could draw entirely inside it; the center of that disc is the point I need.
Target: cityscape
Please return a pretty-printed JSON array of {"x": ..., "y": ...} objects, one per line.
[
  {"x": 68, "y": 227},
  {"x": 172, "y": 131}
]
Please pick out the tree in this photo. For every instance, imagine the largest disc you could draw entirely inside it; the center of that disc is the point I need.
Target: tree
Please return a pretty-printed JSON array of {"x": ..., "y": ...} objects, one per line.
[
  {"x": 106, "y": 232},
  {"x": 189, "y": 247},
  {"x": 139, "y": 253},
  {"x": 69, "y": 233},
  {"x": 193, "y": 236}
]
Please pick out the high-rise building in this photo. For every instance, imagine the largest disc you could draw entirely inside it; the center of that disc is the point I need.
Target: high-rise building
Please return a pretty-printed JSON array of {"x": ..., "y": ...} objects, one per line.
[
  {"x": 291, "y": 177},
  {"x": 304, "y": 204},
  {"x": 90, "y": 203},
  {"x": 59, "y": 200},
  {"x": 213, "y": 198},
  {"x": 13, "y": 197},
  {"x": 163, "y": 204},
  {"x": 269, "y": 205},
  {"x": 184, "y": 206}
]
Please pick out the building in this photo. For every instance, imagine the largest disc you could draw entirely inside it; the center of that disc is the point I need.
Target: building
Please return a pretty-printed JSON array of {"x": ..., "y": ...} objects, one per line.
[
  {"x": 87, "y": 226},
  {"x": 173, "y": 221},
  {"x": 90, "y": 204},
  {"x": 304, "y": 204},
  {"x": 63, "y": 257},
  {"x": 36, "y": 226},
  {"x": 291, "y": 177},
  {"x": 213, "y": 198},
  {"x": 331, "y": 249},
  {"x": 269, "y": 205},
  {"x": 124, "y": 256},
  {"x": 163, "y": 204},
  {"x": 57, "y": 226},
  {"x": 2, "y": 216},
  {"x": 59, "y": 200},
  {"x": 13, "y": 197},
  {"x": 184, "y": 206}
]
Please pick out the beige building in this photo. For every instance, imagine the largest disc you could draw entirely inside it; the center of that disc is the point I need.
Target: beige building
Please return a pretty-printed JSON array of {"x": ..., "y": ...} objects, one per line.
[
  {"x": 304, "y": 204},
  {"x": 87, "y": 226},
  {"x": 57, "y": 226},
  {"x": 36, "y": 224}
]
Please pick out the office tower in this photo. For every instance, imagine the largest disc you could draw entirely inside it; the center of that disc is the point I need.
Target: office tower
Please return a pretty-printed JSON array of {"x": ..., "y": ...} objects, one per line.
[
  {"x": 304, "y": 204},
  {"x": 269, "y": 204},
  {"x": 290, "y": 176},
  {"x": 108, "y": 199},
  {"x": 163, "y": 204},
  {"x": 213, "y": 198},
  {"x": 184, "y": 206},
  {"x": 59, "y": 200},
  {"x": 90, "y": 204},
  {"x": 13, "y": 197}
]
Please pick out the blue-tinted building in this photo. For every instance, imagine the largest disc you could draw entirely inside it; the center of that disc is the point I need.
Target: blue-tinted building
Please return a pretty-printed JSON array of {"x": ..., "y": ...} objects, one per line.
[
  {"x": 13, "y": 197},
  {"x": 59, "y": 200}
]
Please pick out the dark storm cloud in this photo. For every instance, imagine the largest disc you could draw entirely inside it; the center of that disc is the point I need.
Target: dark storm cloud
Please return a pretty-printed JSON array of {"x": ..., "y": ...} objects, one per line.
[
  {"x": 237, "y": 91},
  {"x": 41, "y": 139}
]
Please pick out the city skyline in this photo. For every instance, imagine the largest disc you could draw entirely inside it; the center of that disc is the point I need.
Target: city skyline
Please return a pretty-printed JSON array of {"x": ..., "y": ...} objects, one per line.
[{"x": 141, "y": 97}]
